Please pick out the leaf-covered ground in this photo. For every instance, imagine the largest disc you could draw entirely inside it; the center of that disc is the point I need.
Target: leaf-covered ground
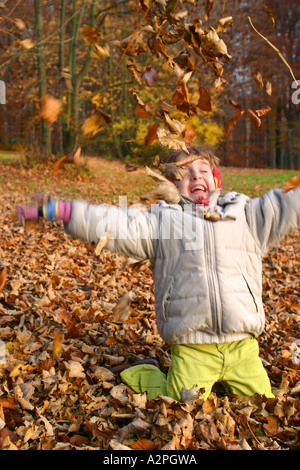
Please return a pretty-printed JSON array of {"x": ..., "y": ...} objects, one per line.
[{"x": 58, "y": 342}]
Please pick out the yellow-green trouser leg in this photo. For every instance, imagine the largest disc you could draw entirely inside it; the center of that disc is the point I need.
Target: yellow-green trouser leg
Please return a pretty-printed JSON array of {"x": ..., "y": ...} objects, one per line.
[
  {"x": 235, "y": 364},
  {"x": 145, "y": 378}
]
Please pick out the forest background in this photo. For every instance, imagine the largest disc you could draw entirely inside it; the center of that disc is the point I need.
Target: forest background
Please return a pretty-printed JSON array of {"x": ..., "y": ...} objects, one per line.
[{"x": 102, "y": 69}]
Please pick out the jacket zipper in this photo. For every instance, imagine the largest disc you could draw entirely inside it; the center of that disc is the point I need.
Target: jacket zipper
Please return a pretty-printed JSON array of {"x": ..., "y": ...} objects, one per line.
[{"x": 209, "y": 253}]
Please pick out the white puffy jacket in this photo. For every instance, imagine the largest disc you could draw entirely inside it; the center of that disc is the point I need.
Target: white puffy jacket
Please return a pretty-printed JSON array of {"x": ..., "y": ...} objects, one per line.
[{"x": 207, "y": 275}]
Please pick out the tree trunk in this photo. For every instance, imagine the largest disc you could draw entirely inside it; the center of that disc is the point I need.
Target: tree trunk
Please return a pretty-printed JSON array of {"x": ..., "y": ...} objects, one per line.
[
  {"x": 62, "y": 70},
  {"x": 45, "y": 143}
]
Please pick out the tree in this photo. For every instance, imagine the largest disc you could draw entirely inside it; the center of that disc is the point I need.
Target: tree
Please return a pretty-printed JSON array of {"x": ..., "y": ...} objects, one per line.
[{"x": 42, "y": 74}]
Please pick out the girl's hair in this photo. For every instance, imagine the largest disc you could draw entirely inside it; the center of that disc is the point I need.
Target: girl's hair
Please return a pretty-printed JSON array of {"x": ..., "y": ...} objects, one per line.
[{"x": 203, "y": 153}]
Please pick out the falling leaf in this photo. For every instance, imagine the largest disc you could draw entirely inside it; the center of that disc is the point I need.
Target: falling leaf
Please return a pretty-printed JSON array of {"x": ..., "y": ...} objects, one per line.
[
  {"x": 20, "y": 24},
  {"x": 151, "y": 134},
  {"x": 132, "y": 45},
  {"x": 150, "y": 76},
  {"x": 182, "y": 101},
  {"x": 66, "y": 75},
  {"x": 157, "y": 47},
  {"x": 259, "y": 80},
  {"x": 204, "y": 102},
  {"x": 102, "y": 243},
  {"x": 224, "y": 24},
  {"x": 50, "y": 108},
  {"x": 135, "y": 71},
  {"x": 213, "y": 46},
  {"x": 169, "y": 140},
  {"x": 175, "y": 127},
  {"x": 235, "y": 118},
  {"x": 267, "y": 86},
  {"x": 71, "y": 158},
  {"x": 209, "y": 5},
  {"x": 254, "y": 118},
  {"x": 271, "y": 16},
  {"x": 143, "y": 109},
  {"x": 27, "y": 43},
  {"x": 219, "y": 83},
  {"x": 263, "y": 111},
  {"x": 93, "y": 125},
  {"x": 292, "y": 184},
  {"x": 189, "y": 134},
  {"x": 165, "y": 190},
  {"x": 89, "y": 34},
  {"x": 100, "y": 52}
]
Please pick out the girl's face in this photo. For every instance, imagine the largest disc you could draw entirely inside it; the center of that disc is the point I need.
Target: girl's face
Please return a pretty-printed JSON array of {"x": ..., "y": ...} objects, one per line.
[{"x": 199, "y": 183}]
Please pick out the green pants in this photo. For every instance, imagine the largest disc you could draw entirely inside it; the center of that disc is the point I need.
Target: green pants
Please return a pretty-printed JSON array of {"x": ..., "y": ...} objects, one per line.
[{"x": 236, "y": 365}]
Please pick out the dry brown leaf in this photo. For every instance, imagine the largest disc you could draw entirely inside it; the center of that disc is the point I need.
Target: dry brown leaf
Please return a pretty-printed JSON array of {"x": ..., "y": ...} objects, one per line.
[
  {"x": 135, "y": 71},
  {"x": 71, "y": 158},
  {"x": 189, "y": 134},
  {"x": 3, "y": 276},
  {"x": 267, "y": 86},
  {"x": 174, "y": 126},
  {"x": 151, "y": 134},
  {"x": 93, "y": 125},
  {"x": 204, "y": 102},
  {"x": 27, "y": 44},
  {"x": 224, "y": 24},
  {"x": 213, "y": 46},
  {"x": 75, "y": 369},
  {"x": 232, "y": 122},
  {"x": 173, "y": 171},
  {"x": 20, "y": 24},
  {"x": 271, "y": 427},
  {"x": 50, "y": 108},
  {"x": 263, "y": 111},
  {"x": 57, "y": 343},
  {"x": 132, "y": 45},
  {"x": 90, "y": 34},
  {"x": 150, "y": 75},
  {"x": 168, "y": 140},
  {"x": 102, "y": 243},
  {"x": 100, "y": 52},
  {"x": 292, "y": 183},
  {"x": 166, "y": 191},
  {"x": 254, "y": 118},
  {"x": 135, "y": 427},
  {"x": 121, "y": 311},
  {"x": 209, "y": 5},
  {"x": 144, "y": 444}
]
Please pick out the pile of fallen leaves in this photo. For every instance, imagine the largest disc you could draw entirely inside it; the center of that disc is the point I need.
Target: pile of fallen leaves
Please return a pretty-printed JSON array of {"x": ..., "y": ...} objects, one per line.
[{"x": 59, "y": 341}]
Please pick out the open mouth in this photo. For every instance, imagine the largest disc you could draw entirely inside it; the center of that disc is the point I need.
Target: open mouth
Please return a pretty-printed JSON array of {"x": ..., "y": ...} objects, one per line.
[{"x": 198, "y": 190}]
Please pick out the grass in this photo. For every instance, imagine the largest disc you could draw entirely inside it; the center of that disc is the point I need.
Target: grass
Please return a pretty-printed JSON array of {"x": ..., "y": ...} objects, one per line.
[
  {"x": 256, "y": 184},
  {"x": 9, "y": 156}
]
